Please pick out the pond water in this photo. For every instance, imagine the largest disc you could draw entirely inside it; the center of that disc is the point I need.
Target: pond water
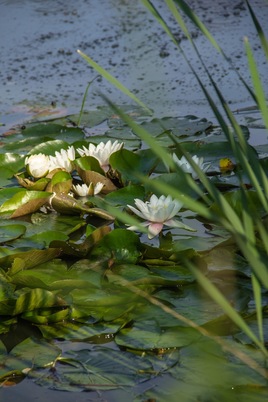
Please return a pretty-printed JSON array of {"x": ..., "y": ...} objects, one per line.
[{"x": 40, "y": 65}]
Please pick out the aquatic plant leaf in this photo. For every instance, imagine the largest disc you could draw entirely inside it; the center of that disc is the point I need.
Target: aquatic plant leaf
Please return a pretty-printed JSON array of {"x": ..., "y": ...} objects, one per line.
[
  {"x": 30, "y": 258},
  {"x": 199, "y": 243},
  {"x": 109, "y": 296},
  {"x": 31, "y": 353},
  {"x": 125, "y": 195},
  {"x": 36, "y": 298},
  {"x": 89, "y": 163},
  {"x": 7, "y": 193},
  {"x": 140, "y": 276},
  {"x": 81, "y": 249},
  {"x": 90, "y": 171},
  {"x": 120, "y": 244},
  {"x": 66, "y": 204},
  {"x": 235, "y": 199},
  {"x": 55, "y": 222},
  {"x": 38, "y": 185},
  {"x": 95, "y": 368},
  {"x": 6, "y": 175},
  {"x": 130, "y": 165},
  {"x": 48, "y": 147},
  {"x": 44, "y": 316},
  {"x": 179, "y": 126},
  {"x": 24, "y": 202},
  {"x": 129, "y": 272},
  {"x": 10, "y": 162},
  {"x": 6, "y": 289},
  {"x": 53, "y": 275},
  {"x": 11, "y": 232},
  {"x": 52, "y": 131},
  {"x": 78, "y": 331},
  {"x": 212, "y": 372},
  {"x": 45, "y": 238},
  {"x": 149, "y": 335},
  {"x": 176, "y": 180}
]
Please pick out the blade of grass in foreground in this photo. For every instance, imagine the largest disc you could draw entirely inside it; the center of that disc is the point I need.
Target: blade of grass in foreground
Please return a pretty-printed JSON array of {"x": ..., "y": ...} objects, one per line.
[
  {"x": 258, "y": 301},
  {"x": 216, "y": 295},
  {"x": 261, "y": 100},
  {"x": 224, "y": 344},
  {"x": 113, "y": 80},
  {"x": 194, "y": 18},
  {"x": 258, "y": 27}
]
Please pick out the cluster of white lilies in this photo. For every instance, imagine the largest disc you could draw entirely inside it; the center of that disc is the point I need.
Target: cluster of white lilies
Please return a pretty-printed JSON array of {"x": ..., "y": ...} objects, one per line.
[
  {"x": 156, "y": 212},
  {"x": 40, "y": 165}
]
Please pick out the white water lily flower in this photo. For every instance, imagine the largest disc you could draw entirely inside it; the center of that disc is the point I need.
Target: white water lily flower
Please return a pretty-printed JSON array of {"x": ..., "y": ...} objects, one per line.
[
  {"x": 84, "y": 190},
  {"x": 158, "y": 212},
  {"x": 63, "y": 159},
  {"x": 102, "y": 152},
  {"x": 187, "y": 168},
  {"x": 37, "y": 165}
]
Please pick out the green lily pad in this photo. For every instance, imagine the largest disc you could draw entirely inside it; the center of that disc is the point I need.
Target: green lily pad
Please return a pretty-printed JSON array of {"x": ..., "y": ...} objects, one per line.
[
  {"x": 94, "y": 369},
  {"x": 179, "y": 126},
  {"x": 121, "y": 244},
  {"x": 11, "y": 232},
  {"x": 24, "y": 202},
  {"x": 149, "y": 335},
  {"x": 54, "y": 131},
  {"x": 31, "y": 353},
  {"x": 125, "y": 195}
]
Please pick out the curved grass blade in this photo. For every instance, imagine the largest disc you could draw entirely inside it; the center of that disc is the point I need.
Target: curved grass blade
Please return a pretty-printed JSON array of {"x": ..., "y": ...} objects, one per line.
[
  {"x": 259, "y": 29},
  {"x": 83, "y": 102},
  {"x": 216, "y": 295},
  {"x": 113, "y": 80},
  {"x": 260, "y": 95}
]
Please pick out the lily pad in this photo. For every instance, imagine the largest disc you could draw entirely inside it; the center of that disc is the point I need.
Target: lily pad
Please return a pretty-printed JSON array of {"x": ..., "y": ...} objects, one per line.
[
  {"x": 179, "y": 126},
  {"x": 11, "y": 232},
  {"x": 94, "y": 369},
  {"x": 149, "y": 335}
]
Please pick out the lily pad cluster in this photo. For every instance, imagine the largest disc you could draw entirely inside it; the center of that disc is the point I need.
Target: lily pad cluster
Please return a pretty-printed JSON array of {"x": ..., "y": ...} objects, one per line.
[{"x": 71, "y": 270}]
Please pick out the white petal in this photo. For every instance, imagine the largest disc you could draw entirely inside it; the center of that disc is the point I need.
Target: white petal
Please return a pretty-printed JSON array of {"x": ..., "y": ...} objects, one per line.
[
  {"x": 81, "y": 189},
  {"x": 137, "y": 212},
  {"x": 98, "y": 187},
  {"x": 154, "y": 229}
]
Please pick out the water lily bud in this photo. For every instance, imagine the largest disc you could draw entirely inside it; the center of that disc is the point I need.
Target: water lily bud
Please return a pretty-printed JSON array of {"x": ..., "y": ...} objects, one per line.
[{"x": 37, "y": 165}]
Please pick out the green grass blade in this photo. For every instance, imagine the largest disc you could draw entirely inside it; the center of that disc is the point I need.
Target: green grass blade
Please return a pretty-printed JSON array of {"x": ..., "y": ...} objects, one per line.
[
  {"x": 225, "y": 344},
  {"x": 216, "y": 295},
  {"x": 259, "y": 29},
  {"x": 256, "y": 259},
  {"x": 197, "y": 22},
  {"x": 260, "y": 95},
  {"x": 144, "y": 135},
  {"x": 178, "y": 18},
  {"x": 83, "y": 102},
  {"x": 258, "y": 301},
  {"x": 159, "y": 18},
  {"x": 117, "y": 84}
]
